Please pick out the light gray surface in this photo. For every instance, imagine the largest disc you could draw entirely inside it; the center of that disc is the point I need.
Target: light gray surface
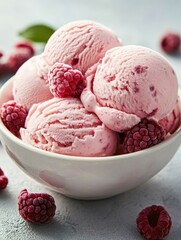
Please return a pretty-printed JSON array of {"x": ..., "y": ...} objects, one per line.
[{"x": 135, "y": 22}]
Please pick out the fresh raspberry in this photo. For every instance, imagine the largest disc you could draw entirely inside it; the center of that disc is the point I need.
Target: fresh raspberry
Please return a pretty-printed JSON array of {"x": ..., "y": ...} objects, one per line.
[
  {"x": 3, "y": 182},
  {"x": 27, "y": 45},
  {"x": 64, "y": 81},
  {"x": 143, "y": 135},
  {"x": 36, "y": 207},
  {"x": 17, "y": 57},
  {"x": 154, "y": 222},
  {"x": 170, "y": 42},
  {"x": 13, "y": 116}
]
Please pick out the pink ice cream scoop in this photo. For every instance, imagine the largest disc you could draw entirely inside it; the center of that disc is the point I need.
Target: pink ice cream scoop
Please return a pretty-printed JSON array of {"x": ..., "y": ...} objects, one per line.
[
  {"x": 173, "y": 120},
  {"x": 62, "y": 125},
  {"x": 29, "y": 86},
  {"x": 80, "y": 44},
  {"x": 131, "y": 83}
]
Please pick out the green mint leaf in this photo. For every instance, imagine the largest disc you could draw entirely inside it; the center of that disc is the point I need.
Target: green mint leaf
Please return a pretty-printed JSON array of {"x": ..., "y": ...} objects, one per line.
[{"x": 39, "y": 33}]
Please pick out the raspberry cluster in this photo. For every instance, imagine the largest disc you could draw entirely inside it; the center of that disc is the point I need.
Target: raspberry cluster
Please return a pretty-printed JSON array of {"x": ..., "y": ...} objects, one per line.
[
  {"x": 13, "y": 116},
  {"x": 64, "y": 81},
  {"x": 36, "y": 207},
  {"x": 154, "y": 222},
  {"x": 145, "y": 134}
]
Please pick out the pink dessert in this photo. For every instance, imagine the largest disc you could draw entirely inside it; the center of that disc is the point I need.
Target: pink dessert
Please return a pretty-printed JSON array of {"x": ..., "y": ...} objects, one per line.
[
  {"x": 173, "y": 120},
  {"x": 87, "y": 95},
  {"x": 80, "y": 44},
  {"x": 28, "y": 86},
  {"x": 62, "y": 125},
  {"x": 131, "y": 83}
]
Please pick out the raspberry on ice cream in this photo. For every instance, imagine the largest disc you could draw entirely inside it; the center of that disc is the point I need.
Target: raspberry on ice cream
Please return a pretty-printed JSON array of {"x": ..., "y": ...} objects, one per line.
[
  {"x": 145, "y": 134},
  {"x": 80, "y": 44},
  {"x": 154, "y": 222},
  {"x": 124, "y": 84},
  {"x": 131, "y": 83},
  {"x": 13, "y": 116},
  {"x": 64, "y": 81},
  {"x": 36, "y": 207}
]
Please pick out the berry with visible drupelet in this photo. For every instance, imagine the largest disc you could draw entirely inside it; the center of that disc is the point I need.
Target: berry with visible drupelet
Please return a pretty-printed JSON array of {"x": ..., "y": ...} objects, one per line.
[
  {"x": 36, "y": 207},
  {"x": 145, "y": 134},
  {"x": 64, "y": 81},
  {"x": 13, "y": 116},
  {"x": 154, "y": 222}
]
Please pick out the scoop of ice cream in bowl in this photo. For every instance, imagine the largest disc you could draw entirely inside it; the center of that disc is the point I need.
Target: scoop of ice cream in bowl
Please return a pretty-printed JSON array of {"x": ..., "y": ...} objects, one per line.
[{"x": 94, "y": 118}]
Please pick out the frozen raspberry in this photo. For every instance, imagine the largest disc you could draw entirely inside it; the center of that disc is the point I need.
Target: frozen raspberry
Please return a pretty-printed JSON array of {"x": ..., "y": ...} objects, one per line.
[
  {"x": 17, "y": 57},
  {"x": 154, "y": 222},
  {"x": 13, "y": 116},
  {"x": 27, "y": 45},
  {"x": 170, "y": 42},
  {"x": 36, "y": 207},
  {"x": 64, "y": 81},
  {"x": 3, "y": 182},
  {"x": 143, "y": 135}
]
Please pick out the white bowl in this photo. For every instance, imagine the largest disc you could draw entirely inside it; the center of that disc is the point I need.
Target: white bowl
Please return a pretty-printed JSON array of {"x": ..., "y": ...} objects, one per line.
[{"x": 87, "y": 177}]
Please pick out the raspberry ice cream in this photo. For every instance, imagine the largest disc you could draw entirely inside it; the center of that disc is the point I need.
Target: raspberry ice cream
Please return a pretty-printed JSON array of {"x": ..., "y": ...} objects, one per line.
[
  {"x": 87, "y": 95},
  {"x": 131, "y": 83},
  {"x": 80, "y": 44},
  {"x": 62, "y": 125},
  {"x": 28, "y": 85}
]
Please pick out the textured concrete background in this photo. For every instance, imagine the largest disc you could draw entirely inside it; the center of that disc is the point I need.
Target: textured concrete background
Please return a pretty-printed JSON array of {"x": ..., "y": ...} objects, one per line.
[{"x": 135, "y": 22}]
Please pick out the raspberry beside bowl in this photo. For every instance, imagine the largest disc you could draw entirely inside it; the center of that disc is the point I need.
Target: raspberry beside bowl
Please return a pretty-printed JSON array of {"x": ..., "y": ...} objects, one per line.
[{"x": 86, "y": 177}]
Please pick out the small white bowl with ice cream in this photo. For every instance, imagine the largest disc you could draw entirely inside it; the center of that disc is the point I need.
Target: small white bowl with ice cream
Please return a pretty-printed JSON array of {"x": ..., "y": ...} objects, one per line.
[
  {"x": 86, "y": 177},
  {"x": 72, "y": 144}
]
